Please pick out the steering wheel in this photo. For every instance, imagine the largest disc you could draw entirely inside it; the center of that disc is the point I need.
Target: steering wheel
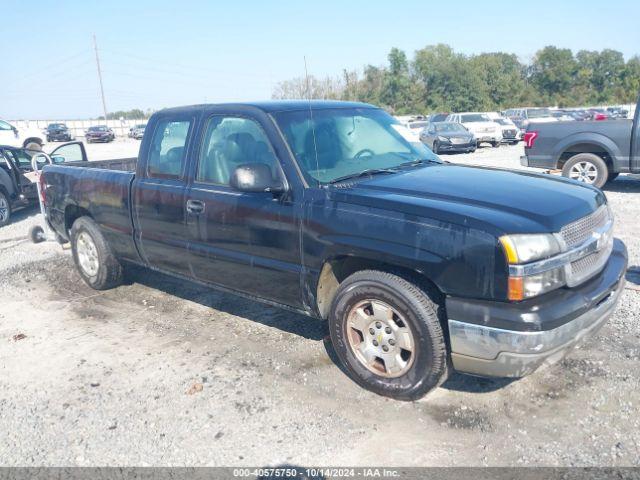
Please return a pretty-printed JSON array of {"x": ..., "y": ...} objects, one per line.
[{"x": 364, "y": 152}]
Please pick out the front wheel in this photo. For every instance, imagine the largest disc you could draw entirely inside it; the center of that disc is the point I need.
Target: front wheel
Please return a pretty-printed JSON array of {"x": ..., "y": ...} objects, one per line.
[
  {"x": 587, "y": 168},
  {"x": 93, "y": 257},
  {"x": 388, "y": 335},
  {"x": 495, "y": 144},
  {"x": 435, "y": 148}
]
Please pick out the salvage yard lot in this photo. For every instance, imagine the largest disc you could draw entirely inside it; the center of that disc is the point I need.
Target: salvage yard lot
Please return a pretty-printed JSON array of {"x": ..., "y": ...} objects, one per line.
[{"x": 164, "y": 372}]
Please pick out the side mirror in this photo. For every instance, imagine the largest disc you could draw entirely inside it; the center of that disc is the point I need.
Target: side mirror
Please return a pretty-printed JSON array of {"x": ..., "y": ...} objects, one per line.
[
  {"x": 58, "y": 159},
  {"x": 255, "y": 177}
]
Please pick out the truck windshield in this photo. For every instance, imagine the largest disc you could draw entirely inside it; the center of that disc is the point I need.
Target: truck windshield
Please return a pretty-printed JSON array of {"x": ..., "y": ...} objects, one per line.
[{"x": 346, "y": 141}]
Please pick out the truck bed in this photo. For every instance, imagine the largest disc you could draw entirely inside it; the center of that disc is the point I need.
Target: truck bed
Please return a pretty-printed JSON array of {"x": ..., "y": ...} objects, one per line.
[
  {"x": 100, "y": 188},
  {"x": 120, "y": 164}
]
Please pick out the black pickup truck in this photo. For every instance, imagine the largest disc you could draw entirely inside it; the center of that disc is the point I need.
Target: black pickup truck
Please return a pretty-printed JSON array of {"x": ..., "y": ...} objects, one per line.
[
  {"x": 329, "y": 209},
  {"x": 592, "y": 152}
]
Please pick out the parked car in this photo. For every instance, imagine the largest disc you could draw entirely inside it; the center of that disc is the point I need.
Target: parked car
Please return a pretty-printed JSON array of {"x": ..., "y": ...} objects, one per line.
[
  {"x": 511, "y": 134},
  {"x": 483, "y": 129},
  {"x": 523, "y": 116},
  {"x": 448, "y": 137},
  {"x": 325, "y": 209},
  {"x": 579, "y": 115},
  {"x": 598, "y": 114},
  {"x": 138, "y": 131},
  {"x": 562, "y": 116},
  {"x": 17, "y": 180},
  {"x": 12, "y": 136},
  {"x": 58, "y": 132},
  {"x": 591, "y": 152},
  {"x": 99, "y": 133},
  {"x": 617, "y": 112}
]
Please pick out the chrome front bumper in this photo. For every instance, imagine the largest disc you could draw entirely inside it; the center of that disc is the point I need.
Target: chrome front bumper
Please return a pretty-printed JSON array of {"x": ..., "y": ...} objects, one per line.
[{"x": 495, "y": 352}]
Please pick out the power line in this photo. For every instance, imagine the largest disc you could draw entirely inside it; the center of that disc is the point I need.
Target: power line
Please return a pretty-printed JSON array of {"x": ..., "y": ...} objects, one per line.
[{"x": 104, "y": 103}]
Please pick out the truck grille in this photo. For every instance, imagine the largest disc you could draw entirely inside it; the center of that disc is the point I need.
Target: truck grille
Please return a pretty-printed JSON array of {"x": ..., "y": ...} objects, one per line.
[{"x": 579, "y": 232}]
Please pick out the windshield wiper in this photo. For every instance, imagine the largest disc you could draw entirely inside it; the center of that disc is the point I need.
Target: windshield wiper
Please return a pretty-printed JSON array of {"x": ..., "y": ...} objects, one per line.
[
  {"x": 364, "y": 173},
  {"x": 419, "y": 161}
]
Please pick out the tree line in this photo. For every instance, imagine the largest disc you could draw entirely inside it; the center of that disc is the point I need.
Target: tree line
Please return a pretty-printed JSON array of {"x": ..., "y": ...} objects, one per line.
[{"x": 437, "y": 79}]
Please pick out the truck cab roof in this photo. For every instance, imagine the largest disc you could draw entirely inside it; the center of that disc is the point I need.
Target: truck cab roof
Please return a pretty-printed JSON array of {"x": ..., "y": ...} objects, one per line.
[{"x": 271, "y": 106}]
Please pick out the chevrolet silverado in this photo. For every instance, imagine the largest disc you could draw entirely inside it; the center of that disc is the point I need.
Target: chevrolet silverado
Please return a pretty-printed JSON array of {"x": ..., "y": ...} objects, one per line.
[{"x": 328, "y": 208}]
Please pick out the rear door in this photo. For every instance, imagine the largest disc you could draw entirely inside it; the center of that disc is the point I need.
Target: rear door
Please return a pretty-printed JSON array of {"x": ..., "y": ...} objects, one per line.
[{"x": 158, "y": 192}]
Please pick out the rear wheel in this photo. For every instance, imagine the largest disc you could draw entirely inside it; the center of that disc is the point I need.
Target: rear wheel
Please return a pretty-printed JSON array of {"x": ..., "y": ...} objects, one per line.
[
  {"x": 388, "y": 335},
  {"x": 495, "y": 144},
  {"x": 587, "y": 168},
  {"x": 5, "y": 209},
  {"x": 93, "y": 257}
]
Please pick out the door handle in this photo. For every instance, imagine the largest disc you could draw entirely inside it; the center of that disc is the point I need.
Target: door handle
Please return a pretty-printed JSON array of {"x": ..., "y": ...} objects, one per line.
[{"x": 195, "y": 206}]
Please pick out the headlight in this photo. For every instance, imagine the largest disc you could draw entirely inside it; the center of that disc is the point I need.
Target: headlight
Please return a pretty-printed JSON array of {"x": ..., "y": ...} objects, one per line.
[
  {"x": 442, "y": 139},
  {"x": 523, "y": 249},
  {"x": 527, "y": 248}
]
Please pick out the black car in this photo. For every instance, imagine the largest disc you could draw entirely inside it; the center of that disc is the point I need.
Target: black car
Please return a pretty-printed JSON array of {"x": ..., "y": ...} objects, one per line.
[
  {"x": 100, "y": 133},
  {"x": 58, "y": 132},
  {"x": 17, "y": 179},
  {"x": 448, "y": 137}
]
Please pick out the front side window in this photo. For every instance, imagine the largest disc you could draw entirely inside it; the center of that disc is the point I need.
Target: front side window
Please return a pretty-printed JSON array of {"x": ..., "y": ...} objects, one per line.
[
  {"x": 333, "y": 143},
  {"x": 230, "y": 142},
  {"x": 4, "y": 126},
  {"x": 168, "y": 148}
]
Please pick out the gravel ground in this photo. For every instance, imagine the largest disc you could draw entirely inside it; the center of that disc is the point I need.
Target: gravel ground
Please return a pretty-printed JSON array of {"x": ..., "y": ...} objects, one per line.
[{"x": 161, "y": 372}]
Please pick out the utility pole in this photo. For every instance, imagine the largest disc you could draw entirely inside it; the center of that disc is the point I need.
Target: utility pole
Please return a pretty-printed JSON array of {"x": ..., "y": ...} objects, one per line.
[{"x": 104, "y": 104}]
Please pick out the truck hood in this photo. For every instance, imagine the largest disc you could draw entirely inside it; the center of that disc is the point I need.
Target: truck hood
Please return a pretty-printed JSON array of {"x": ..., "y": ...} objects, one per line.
[{"x": 492, "y": 200}]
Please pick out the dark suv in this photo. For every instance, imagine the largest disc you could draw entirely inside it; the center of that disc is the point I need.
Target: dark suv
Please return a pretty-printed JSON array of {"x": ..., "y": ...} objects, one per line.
[{"x": 58, "y": 132}]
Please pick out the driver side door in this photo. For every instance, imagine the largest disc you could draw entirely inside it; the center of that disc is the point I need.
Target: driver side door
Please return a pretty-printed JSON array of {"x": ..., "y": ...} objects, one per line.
[{"x": 245, "y": 241}]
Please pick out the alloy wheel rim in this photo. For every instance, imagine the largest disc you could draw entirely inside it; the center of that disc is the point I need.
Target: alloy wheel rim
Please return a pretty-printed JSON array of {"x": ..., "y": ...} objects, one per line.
[
  {"x": 4, "y": 209},
  {"x": 87, "y": 254},
  {"x": 380, "y": 338},
  {"x": 585, "y": 172}
]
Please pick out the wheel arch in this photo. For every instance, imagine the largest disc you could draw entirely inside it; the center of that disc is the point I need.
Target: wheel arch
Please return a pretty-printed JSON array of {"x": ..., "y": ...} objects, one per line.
[
  {"x": 71, "y": 213},
  {"x": 337, "y": 268},
  {"x": 593, "y": 143}
]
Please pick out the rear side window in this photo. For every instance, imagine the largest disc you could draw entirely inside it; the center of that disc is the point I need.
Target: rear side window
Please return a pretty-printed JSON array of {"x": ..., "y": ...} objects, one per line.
[{"x": 168, "y": 149}]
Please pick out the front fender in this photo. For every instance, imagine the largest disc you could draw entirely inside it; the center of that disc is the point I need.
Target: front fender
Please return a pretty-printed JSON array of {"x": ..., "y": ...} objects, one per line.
[{"x": 459, "y": 260}]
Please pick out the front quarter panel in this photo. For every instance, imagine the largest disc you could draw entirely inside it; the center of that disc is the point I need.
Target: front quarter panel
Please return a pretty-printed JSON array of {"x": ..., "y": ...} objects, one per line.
[{"x": 459, "y": 260}]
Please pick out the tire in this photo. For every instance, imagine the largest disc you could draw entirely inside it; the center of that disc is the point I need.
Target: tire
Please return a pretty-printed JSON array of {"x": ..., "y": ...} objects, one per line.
[
  {"x": 93, "y": 257},
  {"x": 495, "y": 144},
  {"x": 416, "y": 317},
  {"x": 587, "y": 168},
  {"x": 5, "y": 208},
  {"x": 32, "y": 140},
  {"x": 36, "y": 234},
  {"x": 436, "y": 148}
]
